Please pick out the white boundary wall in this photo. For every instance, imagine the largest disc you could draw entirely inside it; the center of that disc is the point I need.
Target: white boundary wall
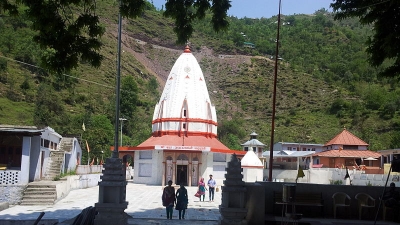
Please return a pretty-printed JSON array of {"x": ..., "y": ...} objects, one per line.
[{"x": 332, "y": 175}]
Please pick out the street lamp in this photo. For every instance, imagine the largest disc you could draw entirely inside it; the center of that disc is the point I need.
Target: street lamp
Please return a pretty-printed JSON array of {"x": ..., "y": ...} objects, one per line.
[{"x": 122, "y": 121}]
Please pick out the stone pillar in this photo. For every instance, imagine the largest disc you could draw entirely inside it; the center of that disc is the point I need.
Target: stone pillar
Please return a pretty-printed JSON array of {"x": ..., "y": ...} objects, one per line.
[
  {"x": 112, "y": 194},
  {"x": 232, "y": 208}
]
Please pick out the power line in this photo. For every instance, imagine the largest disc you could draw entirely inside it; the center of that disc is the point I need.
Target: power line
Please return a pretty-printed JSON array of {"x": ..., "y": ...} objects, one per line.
[{"x": 67, "y": 75}]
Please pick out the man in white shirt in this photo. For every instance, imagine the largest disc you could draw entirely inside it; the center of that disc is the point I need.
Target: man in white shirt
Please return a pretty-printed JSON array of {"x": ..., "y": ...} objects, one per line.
[{"x": 211, "y": 187}]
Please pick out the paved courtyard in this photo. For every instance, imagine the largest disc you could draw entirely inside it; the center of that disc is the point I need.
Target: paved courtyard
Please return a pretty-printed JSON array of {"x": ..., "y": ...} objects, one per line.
[{"x": 145, "y": 207}]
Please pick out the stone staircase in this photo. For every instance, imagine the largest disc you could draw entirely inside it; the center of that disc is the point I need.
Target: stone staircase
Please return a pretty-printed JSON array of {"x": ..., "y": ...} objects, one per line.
[
  {"x": 56, "y": 159},
  {"x": 40, "y": 193},
  {"x": 54, "y": 165}
]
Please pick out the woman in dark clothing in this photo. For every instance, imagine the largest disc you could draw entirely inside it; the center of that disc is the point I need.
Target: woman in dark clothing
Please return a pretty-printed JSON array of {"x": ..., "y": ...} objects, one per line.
[
  {"x": 181, "y": 201},
  {"x": 168, "y": 199}
]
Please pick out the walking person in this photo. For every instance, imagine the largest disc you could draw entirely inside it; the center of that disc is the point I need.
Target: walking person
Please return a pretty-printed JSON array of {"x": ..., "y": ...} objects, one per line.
[
  {"x": 211, "y": 187},
  {"x": 202, "y": 189},
  {"x": 168, "y": 199},
  {"x": 181, "y": 200}
]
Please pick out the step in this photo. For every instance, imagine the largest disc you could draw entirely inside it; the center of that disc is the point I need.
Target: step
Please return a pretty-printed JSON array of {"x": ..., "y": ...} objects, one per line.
[
  {"x": 42, "y": 186},
  {"x": 40, "y": 197},
  {"x": 37, "y": 202},
  {"x": 41, "y": 192}
]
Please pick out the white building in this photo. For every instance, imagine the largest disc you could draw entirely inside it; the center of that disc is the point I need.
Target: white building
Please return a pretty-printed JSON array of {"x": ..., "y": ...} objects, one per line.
[
  {"x": 292, "y": 146},
  {"x": 184, "y": 145},
  {"x": 25, "y": 153}
]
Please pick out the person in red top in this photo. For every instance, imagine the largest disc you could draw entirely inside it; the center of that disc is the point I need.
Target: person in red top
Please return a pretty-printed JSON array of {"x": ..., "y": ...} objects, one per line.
[
  {"x": 168, "y": 199},
  {"x": 202, "y": 189}
]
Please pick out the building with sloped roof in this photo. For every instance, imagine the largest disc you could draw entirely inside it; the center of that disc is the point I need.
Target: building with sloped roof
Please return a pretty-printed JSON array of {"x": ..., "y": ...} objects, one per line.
[
  {"x": 253, "y": 144},
  {"x": 184, "y": 145},
  {"x": 346, "y": 150}
]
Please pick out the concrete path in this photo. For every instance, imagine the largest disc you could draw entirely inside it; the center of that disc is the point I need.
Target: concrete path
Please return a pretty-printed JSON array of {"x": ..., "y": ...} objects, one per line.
[{"x": 144, "y": 207}]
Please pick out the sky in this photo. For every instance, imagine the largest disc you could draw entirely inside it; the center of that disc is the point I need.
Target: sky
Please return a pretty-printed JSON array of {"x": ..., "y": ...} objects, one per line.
[{"x": 268, "y": 8}]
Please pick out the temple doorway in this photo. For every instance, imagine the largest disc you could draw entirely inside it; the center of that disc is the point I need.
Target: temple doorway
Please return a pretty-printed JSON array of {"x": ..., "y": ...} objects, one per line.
[{"x": 181, "y": 174}]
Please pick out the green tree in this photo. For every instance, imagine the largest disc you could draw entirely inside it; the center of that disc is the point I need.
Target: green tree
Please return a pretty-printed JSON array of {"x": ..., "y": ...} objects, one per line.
[
  {"x": 49, "y": 109},
  {"x": 383, "y": 16},
  {"x": 231, "y": 132},
  {"x": 129, "y": 96},
  {"x": 71, "y": 31},
  {"x": 99, "y": 135}
]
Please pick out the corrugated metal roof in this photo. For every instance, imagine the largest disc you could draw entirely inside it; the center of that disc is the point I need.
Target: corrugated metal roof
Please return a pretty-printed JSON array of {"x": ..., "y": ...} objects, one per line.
[
  {"x": 287, "y": 153},
  {"x": 13, "y": 129},
  {"x": 253, "y": 142},
  {"x": 302, "y": 144}
]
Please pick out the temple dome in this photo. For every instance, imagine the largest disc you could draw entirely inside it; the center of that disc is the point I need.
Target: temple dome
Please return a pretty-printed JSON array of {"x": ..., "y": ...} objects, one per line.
[
  {"x": 185, "y": 107},
  {"x": 251, "y": 160}
]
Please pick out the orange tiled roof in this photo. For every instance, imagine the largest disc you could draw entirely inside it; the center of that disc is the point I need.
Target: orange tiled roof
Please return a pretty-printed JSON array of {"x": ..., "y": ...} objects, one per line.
[
  {"x": 348, "y": 154},
  {"x": 176, "y": 140},
  {"x": 172, "y": 140},
  {"x": 346, "y": 138}
]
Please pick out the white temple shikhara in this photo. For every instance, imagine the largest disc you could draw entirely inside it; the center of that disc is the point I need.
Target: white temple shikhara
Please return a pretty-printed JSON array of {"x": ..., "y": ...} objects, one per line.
[{"x": 184, "y": 145}]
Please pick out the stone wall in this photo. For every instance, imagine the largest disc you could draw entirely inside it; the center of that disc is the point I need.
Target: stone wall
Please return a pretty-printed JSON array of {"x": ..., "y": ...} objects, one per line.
[
  {"x": 326, "y": 190},
  {"x": 11, "y": 193}
]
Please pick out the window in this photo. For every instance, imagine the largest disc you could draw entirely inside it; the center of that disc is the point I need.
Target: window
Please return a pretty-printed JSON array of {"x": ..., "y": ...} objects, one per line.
[
  {"x": 219, "y": 157},
  {"x": 184, "y": 126},
  {"x": 350, "y": 147},
  {"x": 184, "y": 112},
  {"x": 182, "y": 157},
  {"x": 304, "y": 149},
  {"x": 145, "y": 154},
  {"x": 246, "y": 148},
  {"x": 289, "y": 148},
  {"x": 46, "y": 143}
]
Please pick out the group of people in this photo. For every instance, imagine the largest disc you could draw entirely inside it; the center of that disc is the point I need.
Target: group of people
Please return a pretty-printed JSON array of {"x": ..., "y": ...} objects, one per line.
[
  {"x": 180, "y": 198},
  {"x": 170, "y": 198},
  {"x": 211, "y": 183}
]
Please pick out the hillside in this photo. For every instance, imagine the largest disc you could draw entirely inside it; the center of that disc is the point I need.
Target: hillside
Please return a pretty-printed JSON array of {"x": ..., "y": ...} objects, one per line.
[{"x": 319, "y": 90}]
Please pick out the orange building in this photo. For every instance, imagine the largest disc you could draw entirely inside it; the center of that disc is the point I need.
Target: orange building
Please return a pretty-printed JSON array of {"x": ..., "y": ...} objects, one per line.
[{"x": 347, "y": 150}]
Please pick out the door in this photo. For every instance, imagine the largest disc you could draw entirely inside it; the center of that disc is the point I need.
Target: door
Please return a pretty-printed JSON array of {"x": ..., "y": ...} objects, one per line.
[
  {"x": 332, "y": 162},
  {"x": 195, "y": 172},
  {"x": 181, "y": 174},
  {"x": 41, "y": 164},
  {"x": 168, "y": 170}
]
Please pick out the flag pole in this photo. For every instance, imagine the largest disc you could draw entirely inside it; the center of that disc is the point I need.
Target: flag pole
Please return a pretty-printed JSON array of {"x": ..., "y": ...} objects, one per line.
[{"x": 271, "y": 148}]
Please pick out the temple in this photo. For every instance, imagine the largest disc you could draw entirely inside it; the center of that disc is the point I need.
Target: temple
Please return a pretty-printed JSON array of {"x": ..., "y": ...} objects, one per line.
[{"x": 184, "y": 145}]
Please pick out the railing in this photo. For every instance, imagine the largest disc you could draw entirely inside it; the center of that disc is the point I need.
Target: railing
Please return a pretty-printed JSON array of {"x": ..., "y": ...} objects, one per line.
[{"x": 9, "y": 177}]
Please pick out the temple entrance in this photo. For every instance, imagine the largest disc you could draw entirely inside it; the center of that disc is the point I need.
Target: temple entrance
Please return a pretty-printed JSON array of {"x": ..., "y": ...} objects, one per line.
[
  {"x": 181, "y": 167},
  {"x": 181, "y": 174}
]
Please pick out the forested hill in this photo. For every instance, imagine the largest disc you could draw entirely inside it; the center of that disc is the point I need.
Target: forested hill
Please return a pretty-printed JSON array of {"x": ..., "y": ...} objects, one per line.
[{"x": 324, "y": 80}]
